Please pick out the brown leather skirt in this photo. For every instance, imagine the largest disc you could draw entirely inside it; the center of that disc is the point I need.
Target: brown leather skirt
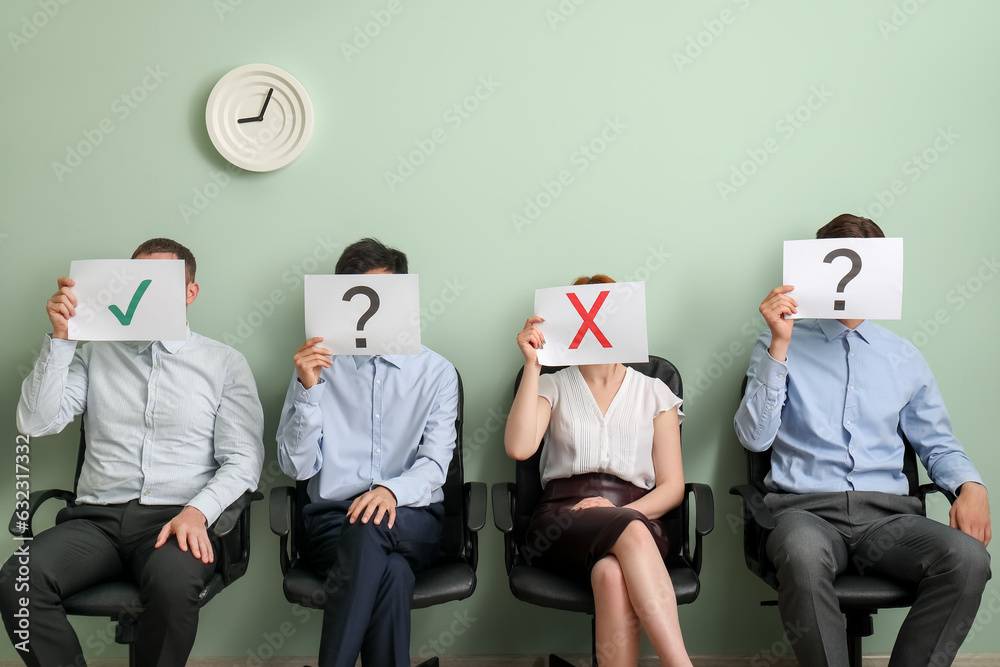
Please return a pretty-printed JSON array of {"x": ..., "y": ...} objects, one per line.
[{"x": 572, "y": 541}]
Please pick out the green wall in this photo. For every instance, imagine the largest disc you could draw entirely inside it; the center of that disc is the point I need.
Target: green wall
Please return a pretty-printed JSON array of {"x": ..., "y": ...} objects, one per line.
[{"x": 692, "y": 90}]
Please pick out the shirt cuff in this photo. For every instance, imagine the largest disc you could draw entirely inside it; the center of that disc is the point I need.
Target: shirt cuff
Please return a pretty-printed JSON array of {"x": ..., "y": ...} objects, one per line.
[
  {"x": 208, "y": 506},
  {"x": 310, "y": 396},
  {"x": 58, "y": 351},
  {"x": 772, "y": 373}
]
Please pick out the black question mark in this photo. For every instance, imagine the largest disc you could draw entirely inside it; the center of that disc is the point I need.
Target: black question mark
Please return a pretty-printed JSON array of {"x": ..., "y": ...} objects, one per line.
[
  {"x": 855, "y": 258},
  {"x": 367, "y": 315}
]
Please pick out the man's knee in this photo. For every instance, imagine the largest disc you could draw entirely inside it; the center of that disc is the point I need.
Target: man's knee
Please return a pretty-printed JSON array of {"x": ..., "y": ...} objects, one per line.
[
  {"x": 970, "y": 559},
  {"x": 361, "y": 533},
  {"x": 175, "y": 581}
]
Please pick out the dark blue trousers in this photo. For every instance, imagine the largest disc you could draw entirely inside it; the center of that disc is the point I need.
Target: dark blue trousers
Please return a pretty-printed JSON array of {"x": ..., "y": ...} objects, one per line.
[{"x": 369, "y": 579}]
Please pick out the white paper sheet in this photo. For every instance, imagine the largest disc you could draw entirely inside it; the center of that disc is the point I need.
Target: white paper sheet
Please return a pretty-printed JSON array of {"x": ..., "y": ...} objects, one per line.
[
  {"x": 846, "y": 278},
  {"x": 364, "y": 314},
  {"x": 129, "y": 299},
  {"x": 593, "y": 324}
]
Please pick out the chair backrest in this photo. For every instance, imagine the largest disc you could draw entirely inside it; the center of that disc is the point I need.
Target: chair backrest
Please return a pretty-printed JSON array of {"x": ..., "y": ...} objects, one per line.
[
  {"x": 528, "y": 477},
  {"x": 455, "y": 535}
]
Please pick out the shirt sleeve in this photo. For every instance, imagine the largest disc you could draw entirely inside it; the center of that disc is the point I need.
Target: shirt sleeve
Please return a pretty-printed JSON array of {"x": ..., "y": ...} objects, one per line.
[
  {"x": 548, "y": 388},
  {"x": 300, "y": 430},
  {"x": 238, "y": 442},
  {"x": 55, "y": 391},
  {"x": 926, "y": 424},
  {"x": 759, "y": 415},
  {"x": 665, "y": 400},
  {"x": 414, "y": 487}
]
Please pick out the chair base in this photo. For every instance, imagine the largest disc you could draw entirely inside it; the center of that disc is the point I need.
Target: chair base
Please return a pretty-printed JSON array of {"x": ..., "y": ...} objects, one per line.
[
  {"x": 556, "y": 661},
  {"x": 430, "y": 662}
]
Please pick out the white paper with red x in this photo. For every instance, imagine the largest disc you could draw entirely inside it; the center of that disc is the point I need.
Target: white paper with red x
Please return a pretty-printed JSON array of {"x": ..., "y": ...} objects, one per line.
[{"x": 593, "y": 324}]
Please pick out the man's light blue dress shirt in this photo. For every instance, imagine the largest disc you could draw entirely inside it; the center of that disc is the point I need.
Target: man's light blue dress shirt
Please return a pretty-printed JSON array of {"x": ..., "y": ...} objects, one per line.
[
  {"x": 373, "y": 421},
  {"x": 168, "y": 423},
  {"x": 834, "y": 412}
]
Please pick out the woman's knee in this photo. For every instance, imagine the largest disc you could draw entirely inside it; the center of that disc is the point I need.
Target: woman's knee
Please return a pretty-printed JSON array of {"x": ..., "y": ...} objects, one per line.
[
  {"x": 635, "y": 538},
  {"x": 607, "y": 573}
]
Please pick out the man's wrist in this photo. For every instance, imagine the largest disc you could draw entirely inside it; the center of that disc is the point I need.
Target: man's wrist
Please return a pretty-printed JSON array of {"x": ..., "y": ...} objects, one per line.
[{"x": 975, "y": 488}]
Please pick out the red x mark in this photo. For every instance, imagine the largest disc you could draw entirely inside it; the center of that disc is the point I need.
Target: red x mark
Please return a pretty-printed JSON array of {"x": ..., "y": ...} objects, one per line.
[{"x": 588, "y": 319}]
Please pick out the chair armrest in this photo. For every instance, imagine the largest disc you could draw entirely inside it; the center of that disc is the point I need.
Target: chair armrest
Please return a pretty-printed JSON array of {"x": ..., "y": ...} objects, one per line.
[
  {"x": 753, "y": 505},
  {"x": 280, "y": 507},
  {"x": 227, "y": 520},
  {"x": 704, "y": 522},
  {"x": 475, "y": 505},
  {"x": 704, "y": 503},
  {"x": 503, "y": 519},
  {"x": 924, "y": 489},
  {"x": 503, "y": 514},
  {"x": 232, "y": 536},
  {"x": 20, "y": 520},
  {"x": 277, "y": 509}
]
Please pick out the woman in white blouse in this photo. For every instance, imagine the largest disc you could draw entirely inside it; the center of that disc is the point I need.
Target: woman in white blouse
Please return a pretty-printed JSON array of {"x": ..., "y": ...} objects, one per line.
[{"x": 610, "y": 467}]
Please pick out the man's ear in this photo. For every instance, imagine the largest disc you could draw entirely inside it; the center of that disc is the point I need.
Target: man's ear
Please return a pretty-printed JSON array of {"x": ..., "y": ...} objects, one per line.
[{"x": 192, "y": 292}]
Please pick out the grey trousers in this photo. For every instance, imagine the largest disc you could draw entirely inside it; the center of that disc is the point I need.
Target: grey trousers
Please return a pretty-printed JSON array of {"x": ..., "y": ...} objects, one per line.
[{"x": 819, "y": 535}]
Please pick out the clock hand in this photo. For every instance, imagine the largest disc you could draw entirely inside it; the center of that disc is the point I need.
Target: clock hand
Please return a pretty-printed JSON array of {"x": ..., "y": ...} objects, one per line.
[
  {"x": 266, "y": 101},
  {"x": 260, "y": 116}
]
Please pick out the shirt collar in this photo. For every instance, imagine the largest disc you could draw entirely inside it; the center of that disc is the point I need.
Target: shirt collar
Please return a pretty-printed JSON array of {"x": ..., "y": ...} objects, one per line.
[
  {"x": 832, "y": 329},
  {"x": 396, "y": 360},
  {"x": 171, "y": 346}
]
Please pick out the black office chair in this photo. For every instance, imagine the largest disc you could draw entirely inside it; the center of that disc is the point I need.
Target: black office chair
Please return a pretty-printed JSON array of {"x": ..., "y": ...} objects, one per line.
[
  {"x": 515, "y": 502},
  {"x": 119, "y": 600},
  {"x": 860, "y": 596},
  {"x": 452, "y": 577}
]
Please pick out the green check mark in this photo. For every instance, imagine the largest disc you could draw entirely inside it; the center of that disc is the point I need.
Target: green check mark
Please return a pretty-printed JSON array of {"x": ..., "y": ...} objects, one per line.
[{"x": 126, "y": 317}]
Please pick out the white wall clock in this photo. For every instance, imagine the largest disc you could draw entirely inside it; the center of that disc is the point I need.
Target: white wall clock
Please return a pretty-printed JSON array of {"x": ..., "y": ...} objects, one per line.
[{"x": 259, "y": 117}]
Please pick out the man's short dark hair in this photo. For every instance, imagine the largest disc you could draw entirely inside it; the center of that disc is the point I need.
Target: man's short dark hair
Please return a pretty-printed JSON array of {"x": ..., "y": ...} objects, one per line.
[
  {"x": 847, "y": 226},
  {"x": 369, "y": 254},
  {"x": 153, "y": 246}
]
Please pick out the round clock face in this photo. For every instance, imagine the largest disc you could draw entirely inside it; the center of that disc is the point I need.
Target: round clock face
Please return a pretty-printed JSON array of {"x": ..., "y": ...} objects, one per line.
[{"x": 259, "y": 117}]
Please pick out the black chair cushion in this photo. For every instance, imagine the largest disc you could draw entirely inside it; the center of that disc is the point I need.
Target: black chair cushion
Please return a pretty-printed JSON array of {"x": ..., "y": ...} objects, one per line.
[
  {"x": 548, "y": 589},
  {"x": 452, "y": 578},
  {"x": 854, "y": 591},
  {"x": 120, "y": 599}
]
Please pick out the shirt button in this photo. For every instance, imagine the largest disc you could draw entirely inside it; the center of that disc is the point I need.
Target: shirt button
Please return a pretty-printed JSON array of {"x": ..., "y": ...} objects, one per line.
[
  {"x": 149, "y": 442},
  {"x": 852, "y": 387},
  {"x": 851, "y": 354},
  {"x": 146, "y": 469},
  {"x": 145, "y": 493},
  {"x": 850, "y": 478},
  {"x": 156, "y": 367},
  {"x": 848, "y": 422},
  {"x": 378, "y": 451},
  {"x": 152, "y": 386},
  {"x": 769, "y": 407},
  {"x": 149, "y": 414},
  {"x": 780, "y": 376},
  {"x": 378, "y": 417},
  {"x": 378, "y": 382}
]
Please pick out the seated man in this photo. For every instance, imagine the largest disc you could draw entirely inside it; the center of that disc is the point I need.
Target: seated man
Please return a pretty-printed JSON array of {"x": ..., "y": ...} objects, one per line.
[
  {"x": 174, "y": 436},
  {"x": 832, "y": 402},
  {"x": 374, "y": 436}
]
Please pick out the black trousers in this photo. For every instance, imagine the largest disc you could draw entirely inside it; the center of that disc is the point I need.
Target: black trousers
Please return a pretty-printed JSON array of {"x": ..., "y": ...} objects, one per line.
[
  {"x": 91, "y": 544},
  {"x": 369, "y": 580}
]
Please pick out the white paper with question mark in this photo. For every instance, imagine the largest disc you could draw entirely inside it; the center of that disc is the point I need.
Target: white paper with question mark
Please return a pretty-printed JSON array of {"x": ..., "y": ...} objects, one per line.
[
  {"x": 364, "y": 314},
  {"x": 846, "y": 278}
]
